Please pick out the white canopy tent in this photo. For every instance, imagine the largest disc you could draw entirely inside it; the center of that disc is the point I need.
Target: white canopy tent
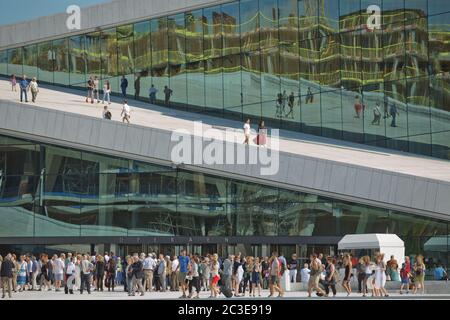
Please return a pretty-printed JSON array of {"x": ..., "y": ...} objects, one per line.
[
  {"x": 437, "y": 244},
  {"x": 389, "y": 244}
]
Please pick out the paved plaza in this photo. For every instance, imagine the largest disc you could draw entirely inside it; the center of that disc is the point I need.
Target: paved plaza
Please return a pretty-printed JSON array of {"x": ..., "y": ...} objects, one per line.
[{"x": 119, "y": 294}]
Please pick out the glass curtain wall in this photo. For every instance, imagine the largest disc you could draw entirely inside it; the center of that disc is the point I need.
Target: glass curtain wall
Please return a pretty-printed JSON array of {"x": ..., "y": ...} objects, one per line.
[
  {"x": 85, "y": 194},
  {"x": 305, "y": 65}
]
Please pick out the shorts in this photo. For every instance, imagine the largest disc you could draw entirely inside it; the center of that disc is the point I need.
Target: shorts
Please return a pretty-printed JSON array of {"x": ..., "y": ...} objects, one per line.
[
  {"x": 314, "y": 280},
  {"x": 182, "y": 276},
  {"x": 405, "y": 280},
  {"x": 274, "y": 280},
  {"x": 215, "y": 280},
  {"x": 59, "y": 276},
  {"x": 90, "y": 93}
]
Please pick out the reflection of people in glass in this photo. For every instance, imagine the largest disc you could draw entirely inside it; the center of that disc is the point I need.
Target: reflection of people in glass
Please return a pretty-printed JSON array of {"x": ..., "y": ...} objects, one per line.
[
  {"x": 386, "y": 113},
  {"x": 152, "y": 93},
  {"x": 247, "y": 132},
  {"x": 394, "y": 113},
  {"x": 261, "y": 139},
  {"x": 124, "y": 86},
  {"x": 309, "y": 96},
  {"x": 279, "y": 105},
  {"x": 358, "y": 107},
  {"x": 376, "y": 114},
  {"x": 137, "y": 87},
  {"x": 291, "y": 105},
  {"x": 284, "y": 99},
  {"x": 167, "y": 94}
]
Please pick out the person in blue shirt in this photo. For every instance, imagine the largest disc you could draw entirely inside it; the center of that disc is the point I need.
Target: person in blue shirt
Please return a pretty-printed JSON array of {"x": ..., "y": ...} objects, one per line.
[
  {"x": 124, "y": 86},
  {"x": 183, "y": 266},
  {"x": 440, "y": 274},
  {"x": 24, "y": 86}
]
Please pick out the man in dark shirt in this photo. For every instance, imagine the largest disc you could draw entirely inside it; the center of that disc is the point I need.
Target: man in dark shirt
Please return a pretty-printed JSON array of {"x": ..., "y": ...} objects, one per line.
[
  {"x": 6, "y": 274},
  {"x": 124, "y": 86},
  {"x": 24, "y": 87},
  {"x": 137, "y": 274},
  {"x": 292, "y": 266}
]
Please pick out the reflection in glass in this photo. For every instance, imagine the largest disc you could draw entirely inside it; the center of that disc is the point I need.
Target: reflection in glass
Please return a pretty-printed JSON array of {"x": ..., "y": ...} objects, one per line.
[
  {"x": 15, "y": 61},
  {"x": 77, "y": 61},
  {"x": 250, "y": 25},
  {"x": 195, "y": 77},
  {"x": 93, "y": 54},
  {"x": 4, "y": 62},
  {"x": 177, "y": 59},
  {"x": 212, "y": 46},
  {"x": 30, "y": 61},
  {"x": 142, "y": 53},
  {"x": 61, "y": 61},
  {"x": 125, "y": 57},
  {"x": 46, "y": 61},
  {"x": 160, "y": 55},
  {"x": 232, "y": 59}
]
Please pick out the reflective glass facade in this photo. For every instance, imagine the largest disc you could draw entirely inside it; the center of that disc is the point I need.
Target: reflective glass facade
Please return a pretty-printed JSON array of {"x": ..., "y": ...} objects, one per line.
[
  {"x": 48, "y": 191},
  {"x": 232, "y": 60}
]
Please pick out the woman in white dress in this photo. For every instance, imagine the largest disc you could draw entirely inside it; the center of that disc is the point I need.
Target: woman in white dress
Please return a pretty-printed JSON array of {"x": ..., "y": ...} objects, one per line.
[
  {"x": 77, "y": 272},
  {"x": 380, "y": 276}
]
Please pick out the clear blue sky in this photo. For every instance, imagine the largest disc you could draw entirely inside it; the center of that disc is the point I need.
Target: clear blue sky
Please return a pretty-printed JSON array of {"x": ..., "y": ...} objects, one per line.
[{"x": 23, "y": 10}]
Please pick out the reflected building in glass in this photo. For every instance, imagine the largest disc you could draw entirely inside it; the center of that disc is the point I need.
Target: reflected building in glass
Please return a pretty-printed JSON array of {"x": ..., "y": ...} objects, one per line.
[
  {"x": 234, "y": 59},
  {"x": 57, "y": 196}
]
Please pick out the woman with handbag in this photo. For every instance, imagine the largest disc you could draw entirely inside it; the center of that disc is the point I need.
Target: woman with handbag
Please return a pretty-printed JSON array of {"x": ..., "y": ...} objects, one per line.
[{"x": 419, "y": 274}]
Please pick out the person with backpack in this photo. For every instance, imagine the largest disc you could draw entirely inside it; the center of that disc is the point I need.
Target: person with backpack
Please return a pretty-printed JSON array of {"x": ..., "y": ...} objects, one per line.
[
  {"x": 316, "y": 269},
  {"x": 106, "y": 113}
]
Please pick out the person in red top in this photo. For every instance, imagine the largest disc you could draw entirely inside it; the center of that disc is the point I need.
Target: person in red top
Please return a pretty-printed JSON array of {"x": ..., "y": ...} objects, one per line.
[{"x": 407, "y": 264}]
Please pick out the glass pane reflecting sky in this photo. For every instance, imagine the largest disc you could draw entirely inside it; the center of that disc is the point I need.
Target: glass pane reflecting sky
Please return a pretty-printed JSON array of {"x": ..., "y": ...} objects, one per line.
[{"x": 24, "y": 10}]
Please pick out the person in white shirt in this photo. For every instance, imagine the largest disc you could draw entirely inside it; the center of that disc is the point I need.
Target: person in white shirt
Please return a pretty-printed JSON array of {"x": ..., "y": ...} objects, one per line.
[
  {"x": 126, "y": 112},
  {"x": 174, "y": 274},
  {"x": 304, "y": 273},
  {"x": 58, "y": 270},
  {"x": 34, "y": 89},
  {"x": 149, "y": 267},
  {"x": 106, "y": 257},
  {"x": 70, "y": 274},
  {"x": 247, "y": 132}
]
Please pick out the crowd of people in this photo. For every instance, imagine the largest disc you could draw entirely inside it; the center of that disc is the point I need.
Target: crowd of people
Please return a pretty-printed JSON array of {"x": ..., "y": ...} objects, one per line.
[{"x": 236, "y": 275}]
